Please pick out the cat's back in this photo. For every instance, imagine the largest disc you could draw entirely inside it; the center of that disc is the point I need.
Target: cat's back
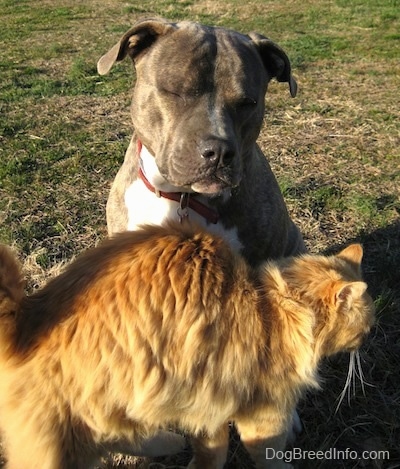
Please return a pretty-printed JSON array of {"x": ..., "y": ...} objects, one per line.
[
  {"x": 157, "y": 268},
  {"x": 174, "y": 267},
  {"x": 171, "y": 252}
]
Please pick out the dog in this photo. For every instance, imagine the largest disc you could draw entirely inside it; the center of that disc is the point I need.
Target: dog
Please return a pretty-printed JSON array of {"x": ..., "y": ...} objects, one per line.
[{"x": 197, "y": 110}]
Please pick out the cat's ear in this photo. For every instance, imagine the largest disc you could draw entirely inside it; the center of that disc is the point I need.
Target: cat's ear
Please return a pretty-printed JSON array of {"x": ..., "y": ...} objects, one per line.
[
  {"x": 353, "y": 256},
  {"x": 348, "y": 293},
  {"x": 352, "y": 253}
]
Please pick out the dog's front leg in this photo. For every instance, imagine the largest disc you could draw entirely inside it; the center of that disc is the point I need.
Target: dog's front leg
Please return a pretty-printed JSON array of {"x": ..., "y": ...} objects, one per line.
[{"x": 210, "y": 452}]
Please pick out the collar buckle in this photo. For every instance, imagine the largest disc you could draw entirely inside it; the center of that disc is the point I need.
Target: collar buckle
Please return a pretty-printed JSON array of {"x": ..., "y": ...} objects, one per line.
[{"x": 183, "y": 211}]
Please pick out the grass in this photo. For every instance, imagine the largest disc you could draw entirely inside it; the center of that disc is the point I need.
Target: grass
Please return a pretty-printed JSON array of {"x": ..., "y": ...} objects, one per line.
[{"x": 334, "y": 149}]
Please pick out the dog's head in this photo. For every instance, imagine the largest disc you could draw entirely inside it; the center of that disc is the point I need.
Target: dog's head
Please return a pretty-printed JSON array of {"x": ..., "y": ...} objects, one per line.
[{"x": 198, "y": 102}]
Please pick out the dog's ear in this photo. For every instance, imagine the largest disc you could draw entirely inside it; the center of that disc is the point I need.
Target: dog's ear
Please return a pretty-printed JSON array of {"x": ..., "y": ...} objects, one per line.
[
  {"x": 135, "y": 41},
  {"x": 275, "y": 61}
]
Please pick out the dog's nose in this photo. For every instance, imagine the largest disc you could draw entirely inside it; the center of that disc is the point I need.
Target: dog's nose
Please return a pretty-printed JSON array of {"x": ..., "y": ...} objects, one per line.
[{"x": 217, "y": 151}]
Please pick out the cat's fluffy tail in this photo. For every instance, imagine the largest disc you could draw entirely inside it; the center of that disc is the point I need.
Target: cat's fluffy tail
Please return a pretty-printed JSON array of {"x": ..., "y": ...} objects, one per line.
[{"x": 11, "y": 294}]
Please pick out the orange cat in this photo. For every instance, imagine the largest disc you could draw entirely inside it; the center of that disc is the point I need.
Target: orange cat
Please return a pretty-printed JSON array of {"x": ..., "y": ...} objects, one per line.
[{"x": 167, "y": 326}]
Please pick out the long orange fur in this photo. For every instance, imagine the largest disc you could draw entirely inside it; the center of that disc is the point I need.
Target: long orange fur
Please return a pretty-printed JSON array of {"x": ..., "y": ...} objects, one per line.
[{"x": 165, "y": 327}]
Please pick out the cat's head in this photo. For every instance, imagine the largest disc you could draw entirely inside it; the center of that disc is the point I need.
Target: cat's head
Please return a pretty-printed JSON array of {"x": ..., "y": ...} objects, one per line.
[{"x": 333, "y": 287}]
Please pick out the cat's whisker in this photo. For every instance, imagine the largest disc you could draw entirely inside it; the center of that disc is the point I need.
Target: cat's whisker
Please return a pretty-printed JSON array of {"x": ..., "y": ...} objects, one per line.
[
  {"x": 355, "y": 369},
  {"x": 349, "y": 379},
  {"x": 355, "y": 363},
  {"x": 360, "y": 373}
]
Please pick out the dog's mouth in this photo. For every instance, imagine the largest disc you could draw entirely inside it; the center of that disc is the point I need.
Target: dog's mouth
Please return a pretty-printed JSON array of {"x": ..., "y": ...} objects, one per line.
[
  {"x": 204, "y": 187},
  {"x": 207, "y": 181},
  {"x": 176, "y": 178},
  {"x": 214, "y": 186}
]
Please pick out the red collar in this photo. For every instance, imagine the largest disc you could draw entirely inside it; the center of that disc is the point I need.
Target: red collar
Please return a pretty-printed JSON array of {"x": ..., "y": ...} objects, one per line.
[{"x": 185, "y": 199}]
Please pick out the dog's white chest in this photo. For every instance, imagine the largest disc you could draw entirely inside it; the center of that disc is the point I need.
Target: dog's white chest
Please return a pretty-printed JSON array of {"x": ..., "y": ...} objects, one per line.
[{"x": 144, "y": 207}]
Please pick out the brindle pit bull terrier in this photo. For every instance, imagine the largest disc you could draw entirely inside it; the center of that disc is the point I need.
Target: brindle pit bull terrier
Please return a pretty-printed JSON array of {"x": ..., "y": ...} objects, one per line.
[{"x": 197, "y": 110}]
